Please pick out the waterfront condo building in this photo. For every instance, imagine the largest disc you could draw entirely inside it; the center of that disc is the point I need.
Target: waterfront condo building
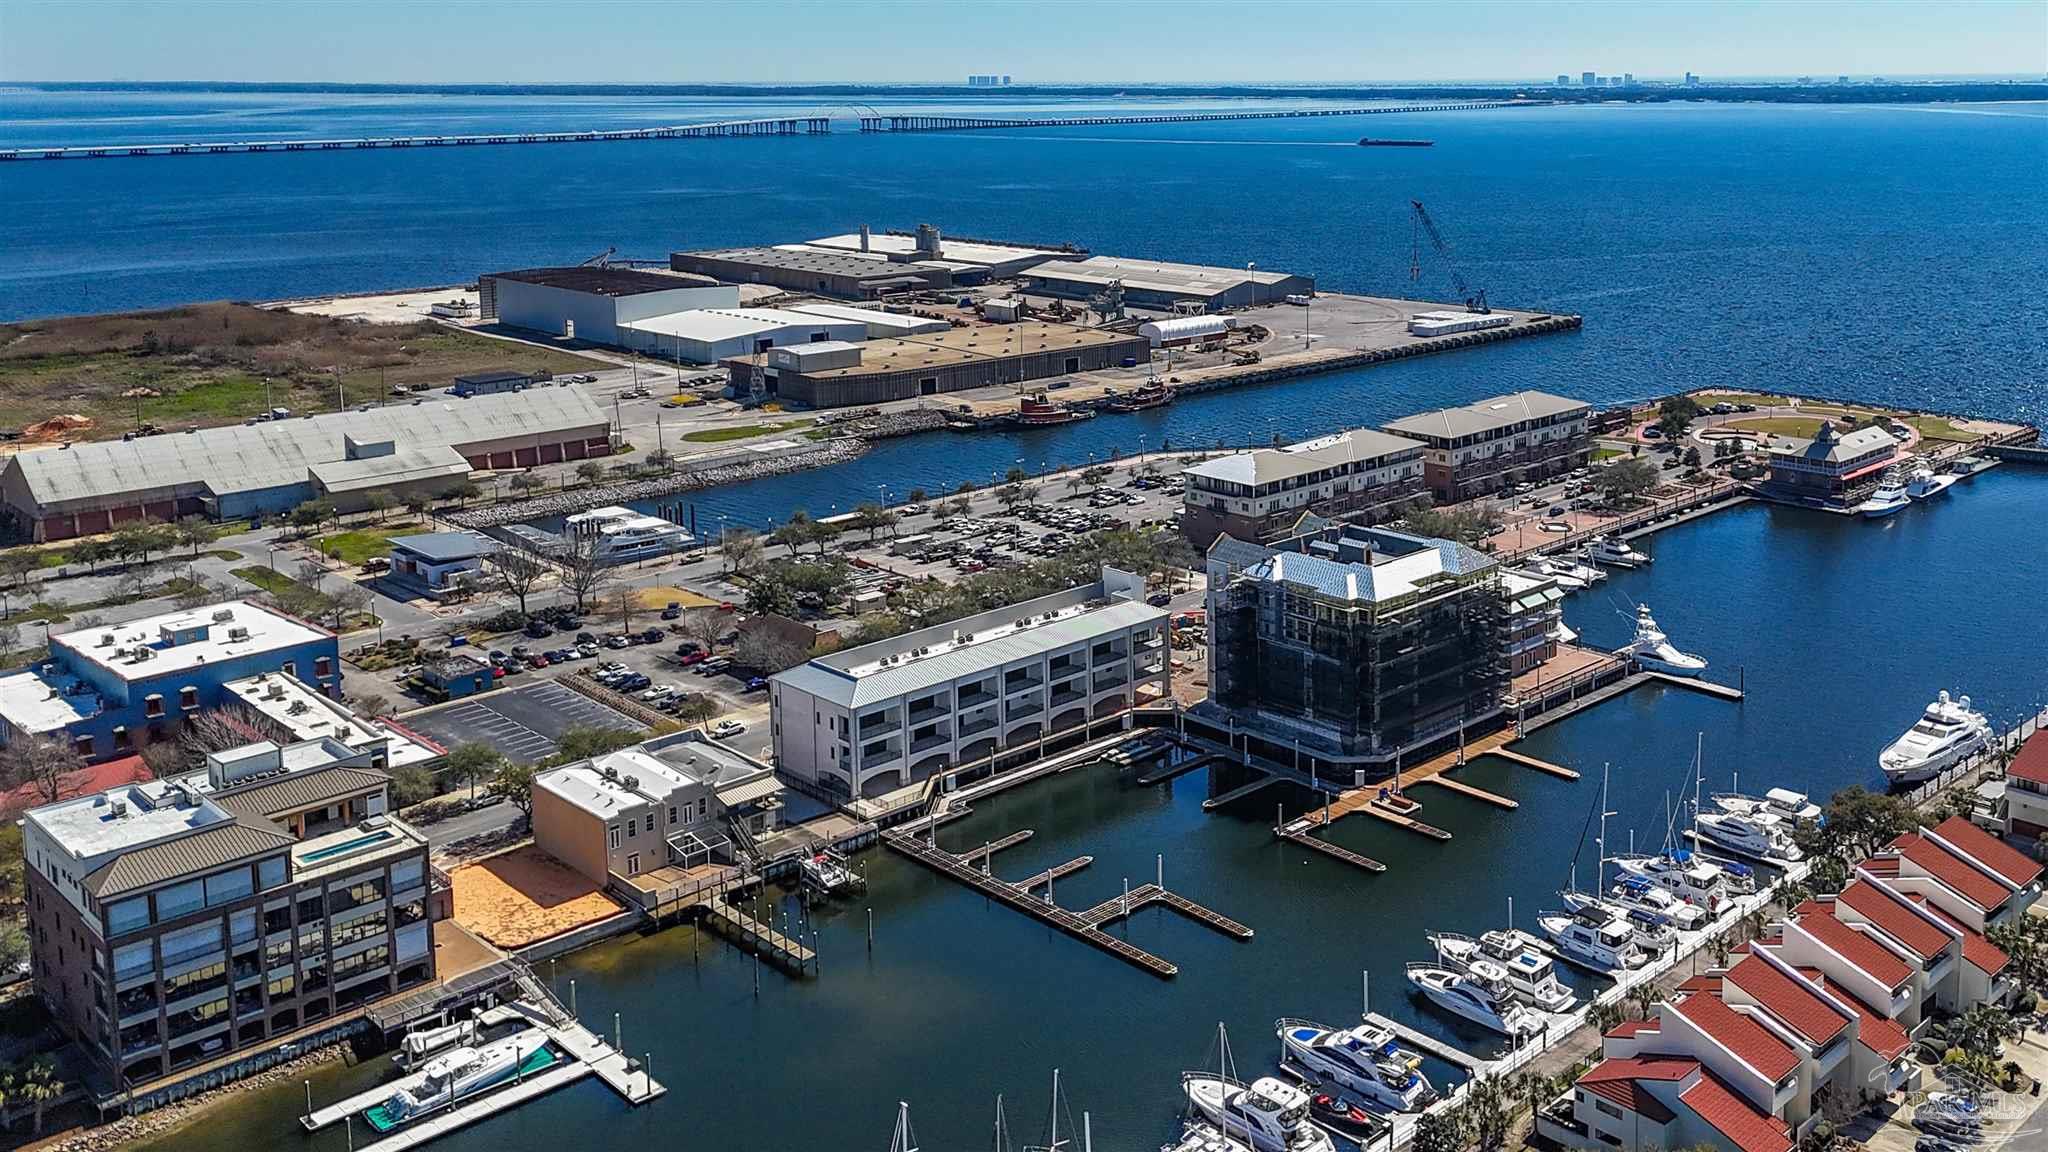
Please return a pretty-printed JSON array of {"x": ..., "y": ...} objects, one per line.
[
  {"x": 863, "y": 721},
  {"x": 1491, "y": 445},
  {"x": 108, "y": 690},
  {"x": 1834, "y": 468},
  {"x": 2026, "y": 790},
  {"x": 176, "y": 921},
  {"x": 1361, "y": 475},
  {"x": 1350, "y": 647},
  {"x": 1823, "y": 1006},
  {"x": 678, "y": 800}
]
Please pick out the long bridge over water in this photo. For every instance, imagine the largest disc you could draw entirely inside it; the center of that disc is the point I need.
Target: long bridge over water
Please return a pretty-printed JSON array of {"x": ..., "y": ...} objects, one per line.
[{"x": 970, "y": 123}]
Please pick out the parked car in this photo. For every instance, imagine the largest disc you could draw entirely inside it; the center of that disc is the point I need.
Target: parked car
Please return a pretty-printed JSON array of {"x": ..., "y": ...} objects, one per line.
[
  {"x": 672, "y": 612},
  {"x": 727, "y": 729},
  {"x": 693, "y": 657},
  {"x": 521, "y": 651},
  {"x": 538, "y": 629},
  {"x": 617, "y": 642},
  {"x": 757, "y": 684},
  {"x": 585, "y": 638},
  {"x": 633, "y": 682},
  {"x": 651, "y": 636},
  {"x": 1159, "y": 599},
  {"x": 498, "y": 656}
]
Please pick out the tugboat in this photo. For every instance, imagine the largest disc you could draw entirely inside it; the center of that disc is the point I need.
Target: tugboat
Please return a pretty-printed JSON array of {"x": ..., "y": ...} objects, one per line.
[
  {"x": 1151, "y": 394},
  {"x": 1035, "y": 411}
]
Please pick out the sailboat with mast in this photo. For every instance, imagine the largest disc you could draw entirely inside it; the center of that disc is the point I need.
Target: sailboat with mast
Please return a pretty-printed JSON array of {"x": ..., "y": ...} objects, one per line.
[
  {"x": 1680, "y": 871},
  {"x": 1592, "y": 931},
  {"x": 1270, "y": 1114}
]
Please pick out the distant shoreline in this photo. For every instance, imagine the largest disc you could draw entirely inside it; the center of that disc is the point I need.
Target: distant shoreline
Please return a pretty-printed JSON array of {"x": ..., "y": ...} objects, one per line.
[{"x": 1861, "y": 92}]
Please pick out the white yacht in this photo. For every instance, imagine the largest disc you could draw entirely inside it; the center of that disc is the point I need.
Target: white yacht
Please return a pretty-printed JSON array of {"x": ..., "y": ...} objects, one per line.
[
  {"x": 1783, "y": 803},
  {"x": 1926, "y": 483},
  {"x": 1560, "y": 574},
  {"x": 1759, "y": 836},
  {"x": 1683, "y": 874},
  {"x": 1479, "y": 994},
  {"x": 1365, "y": 1059},
  {"x": 456, "y": 1075},
  {"x": 1947, "y": 732},
  {"x": 620, "y": 534},
  {"x": 416, "y": 1048},
  {"x": 1889, "y": 497},
  {"x": 1651, "y": 934},
  {"x": 1615, "y": 552},
  {"x": 1653, "y": 650},
  {"x": 1531, "y": 974},
  {"x": 1593, "y": 938},
  {"x": 1270, "y": 1113},
  {"x": 1643, "y": 897}
]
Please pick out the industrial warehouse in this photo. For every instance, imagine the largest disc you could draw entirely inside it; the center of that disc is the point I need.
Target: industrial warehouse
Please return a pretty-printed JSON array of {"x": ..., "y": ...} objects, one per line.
[
  {"x": 1165, "y": 286},
  {"x": 594, "y": 304},
  {"x": 257, "y": 469},
  {"x": 841, "y": 373}
]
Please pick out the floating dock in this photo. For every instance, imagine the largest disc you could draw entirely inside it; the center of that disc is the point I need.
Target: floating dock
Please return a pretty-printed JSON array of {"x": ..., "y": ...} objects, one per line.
[
  {"x": 758, "y": 938},
  {"x": 1085, "y": 926},
  {"x": 971, "y": 123},
  {"x": 1301, "y": 832},
  {"x": 779, "y": 126}
]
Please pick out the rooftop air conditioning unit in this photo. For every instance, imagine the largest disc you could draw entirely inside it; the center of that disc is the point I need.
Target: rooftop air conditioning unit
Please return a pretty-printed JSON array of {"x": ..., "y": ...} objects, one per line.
[
  {"x": 118, "y": 807},
  {"x": 222, "y": 615},
  {"x": 297, "y": 706},
  {"x": 276, "y": 690},
  {"x": 106, "y": 640},
  {"x": 143, "y": 652},
  {"x": 238, "y": 632}
]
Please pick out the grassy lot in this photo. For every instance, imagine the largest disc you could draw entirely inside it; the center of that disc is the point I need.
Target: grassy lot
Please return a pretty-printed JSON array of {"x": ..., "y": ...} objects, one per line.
[
  {"x": 741, "y": 432},
  {"x": 1801, "y": 426},
  {"x": 1605, "y": 453},
  {"x": 656, "y": 598},
  {"x": 206, "y": 364},
  {"x": 275, "y": 583},
  {"x": 1938, "y": 428},
  {"x": 363, "y": 544}
]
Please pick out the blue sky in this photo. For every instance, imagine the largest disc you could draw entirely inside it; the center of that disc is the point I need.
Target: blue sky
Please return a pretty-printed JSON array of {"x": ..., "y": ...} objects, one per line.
[{"x": 525, "y": 41}]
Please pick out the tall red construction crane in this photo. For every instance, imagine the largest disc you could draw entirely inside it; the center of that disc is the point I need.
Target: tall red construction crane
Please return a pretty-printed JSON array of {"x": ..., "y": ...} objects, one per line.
[{"x": 1475, "y": 301}]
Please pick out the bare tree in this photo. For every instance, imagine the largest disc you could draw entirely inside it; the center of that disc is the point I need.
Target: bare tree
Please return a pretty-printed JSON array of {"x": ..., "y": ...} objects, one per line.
[
  {"x": 767, "y": 654},
  {"x": 624, "y": 601},
  {"x": 741, "y": 549},
  {"x": 704, "y": 626},
  {"x": 38, "y": 762},
  {"x": 515, "y": 570},
  {"x": 585, "y": 573}
]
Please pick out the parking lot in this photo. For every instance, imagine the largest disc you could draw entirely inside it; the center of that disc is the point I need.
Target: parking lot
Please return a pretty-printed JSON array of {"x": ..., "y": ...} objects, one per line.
[{"x": 523, "y": 722}]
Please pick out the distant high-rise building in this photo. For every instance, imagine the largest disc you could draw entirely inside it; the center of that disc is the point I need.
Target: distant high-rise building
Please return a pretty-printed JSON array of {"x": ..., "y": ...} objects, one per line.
[
  {"x": 1628, "y": 78},
  {"x": 1614, "y": 81},
  {"x": 1841, "y": 79},
  {"x": 1006, "y": 80},
  {"x": 990, "y": 81},
  {"x": 1563, "y": 80},
  {"x": 1691, "y": 81},
  {"x": 1806, "y": 79},
  {"x": 1588, "y": 79}
]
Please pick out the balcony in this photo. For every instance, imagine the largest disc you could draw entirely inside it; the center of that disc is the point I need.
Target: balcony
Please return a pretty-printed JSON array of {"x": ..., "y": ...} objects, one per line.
[
  {"x": 1016, "y": 682},
  {"x": 878, "y": 757},
  {"x": 927, "y": 712},
  {"x": 978, "y": 725},
  {"x": 1068, "y": 692},
  {"x": 976, "y": 696},
  {"x": 1103, "y": 654},
  {"x": 1114, "y": 680},
  {"x": 880, "y": 724},
  {"x": 928, "y": 741},
  {"x": 1020, "y": 711}
]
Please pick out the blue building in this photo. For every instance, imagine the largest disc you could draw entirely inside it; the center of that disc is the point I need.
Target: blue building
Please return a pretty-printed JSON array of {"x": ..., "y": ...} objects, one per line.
[{"x": 108, "y": 691}]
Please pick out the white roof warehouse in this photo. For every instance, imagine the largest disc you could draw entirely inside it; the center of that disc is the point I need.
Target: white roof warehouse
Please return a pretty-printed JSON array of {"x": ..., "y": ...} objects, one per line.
[{"x": 251, "y": 469}]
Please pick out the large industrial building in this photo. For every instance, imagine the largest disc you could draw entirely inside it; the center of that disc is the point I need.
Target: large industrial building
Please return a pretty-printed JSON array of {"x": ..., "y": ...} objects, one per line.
[
  {"x": 828, "y": 273},
  {"x": 1360, "y": 476},
  {"x": 709, "y": 335},
  {"x": 1490, "y": 445},
  {"x": 996, "y": 260},
  {"x": 593, "y": 304},
  {"x": 937, "y": 363},
  {"x": 1349, "y": 649},
  {"x": 862, "y": 721},
  {"x": 880, "y": 325},
  {"x": 1164, "y": 286},
  {"x": 264, "y": 468}
]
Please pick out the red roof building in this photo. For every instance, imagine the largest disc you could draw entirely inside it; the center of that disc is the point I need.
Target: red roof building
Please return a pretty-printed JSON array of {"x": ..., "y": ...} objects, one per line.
[
  {"x": 1629, "y": 1029},
  {"x": 1952, "y": 872},
  {"x": 2032, "y": 762},
  {"x": 93, "y": 778},
  {"x": 1743, "y": 1038},
  {"x": 1621, "y": 1082},
  {"x": 1989, "y": 958},
  {"x": 1793, "y": 1004},
  {"x": 1733, "y": 1117},
  {"x": 1987, "y": 851},
  {"x": 1863, "y": 953},
  {"x": 1895, "y": 917},
  {"x": 1874, "y": 1030}
]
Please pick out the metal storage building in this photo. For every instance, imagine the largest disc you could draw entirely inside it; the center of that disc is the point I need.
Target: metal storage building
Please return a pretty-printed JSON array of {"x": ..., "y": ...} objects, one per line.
[
  {"x": 851, "y": 276},
  {"x": 593, "y": 304},
  {"x": 948, "y": 362},
  {"x": 252, "y": 469},
  {"x": 1159, "y": 284},
  {"x": 708, "y": 335},
  {"x": 1182, "y": 330},
  {"x": 880, "y": 324}
]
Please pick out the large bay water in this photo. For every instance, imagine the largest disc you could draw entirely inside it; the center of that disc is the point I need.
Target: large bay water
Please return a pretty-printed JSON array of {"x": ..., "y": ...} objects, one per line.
[{"x": 1880, "y": 253}]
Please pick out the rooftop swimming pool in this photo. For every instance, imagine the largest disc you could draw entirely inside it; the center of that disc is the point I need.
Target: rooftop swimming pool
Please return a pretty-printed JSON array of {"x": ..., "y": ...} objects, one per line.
[{"x": 348, "y": 847}]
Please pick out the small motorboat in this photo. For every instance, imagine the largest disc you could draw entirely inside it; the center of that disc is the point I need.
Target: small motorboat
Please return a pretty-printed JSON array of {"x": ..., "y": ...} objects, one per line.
[
  {"x": 1615, "y": 552},
  {"x": 1531, "y": 974},
  {"x": 1344, "y": 1115},
  {"x": 1889, "y": 497},
  {"x": 1594, "y": 938},
  {"x": 1365, "y": 1059},
  {"x": 1783, "y": 803},
  {"x": 1479, "y": 994},
  {"x": 416, "y": 1048}
]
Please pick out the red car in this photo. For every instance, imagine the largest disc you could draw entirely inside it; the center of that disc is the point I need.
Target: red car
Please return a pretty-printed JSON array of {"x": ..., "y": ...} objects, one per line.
[
  {"x": 692, "y": 658},
  {"x": 537, "y": 661}
]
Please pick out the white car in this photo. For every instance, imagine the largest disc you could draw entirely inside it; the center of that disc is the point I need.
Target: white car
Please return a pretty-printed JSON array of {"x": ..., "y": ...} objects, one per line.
[{"x": 727, "y": 729}]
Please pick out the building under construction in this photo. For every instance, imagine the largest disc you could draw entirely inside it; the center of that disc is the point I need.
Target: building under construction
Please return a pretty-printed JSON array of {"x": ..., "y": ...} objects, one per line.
[{"x": 1346, "y": 649}]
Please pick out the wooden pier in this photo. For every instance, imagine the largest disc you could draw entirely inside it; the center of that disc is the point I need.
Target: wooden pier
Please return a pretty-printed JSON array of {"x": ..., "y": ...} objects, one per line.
[
  {"x": 971, "y": 123},
  {"x": 759, "y": 938},
  {"x": 1084, "y": 926},
  {"x": 1476, "y": 793},
  {"x": 1301, "y": 832},
  {"x": 1426, "y": 1043},
  {"x": 983, "y": 854},
  {"x": 1238, "y": 793},
  {"x": 776, "y": 126}
]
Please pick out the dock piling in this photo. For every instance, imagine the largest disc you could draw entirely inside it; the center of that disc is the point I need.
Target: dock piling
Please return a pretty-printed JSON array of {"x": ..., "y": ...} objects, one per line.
[
  {"x": 309, "y": 1097},
  {"x": 871, "y": 928},
  {"x": 572, "y": 998}
]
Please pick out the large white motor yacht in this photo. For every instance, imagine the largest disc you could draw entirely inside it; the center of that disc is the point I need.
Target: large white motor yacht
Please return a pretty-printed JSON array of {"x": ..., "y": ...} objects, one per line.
[
  {"x": 1889, "y": 497},
  {"x": 1650, "y": 933},
  {"x": 1643, "y": 897},
  {"x": 457, "y": 1075},
  {"x": 618, "y": 535},
  {"x": 1365, "y": 1059},
  {"x": 1654, "y": 650},
  {"x": 1947, "y": 732},
  {"x": 1531, "y": 975},
  {"x": 1594, "y": 938},
  {"x": 1270, "y": 1113},
  {"x": 1683, "y": 874},
  {"x": 1783, "y": 803},
  {"x": 1926, "y": 483},
  {"x": 1615, "y": 552},
  {"x": 1479, "y": 994},
  {"x": 1759, "y": 836}
]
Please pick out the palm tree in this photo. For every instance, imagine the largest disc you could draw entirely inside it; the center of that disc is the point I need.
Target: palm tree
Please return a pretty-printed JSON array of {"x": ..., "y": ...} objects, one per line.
[
  {"x": 1644, "y": 998},
  {"x": 1604, "y": 1015},
  {"x": 41, "y": 1088}
]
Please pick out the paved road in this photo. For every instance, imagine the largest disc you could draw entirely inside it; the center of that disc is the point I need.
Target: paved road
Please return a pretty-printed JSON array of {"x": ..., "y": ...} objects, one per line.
[{"x": 482, "y": 822}]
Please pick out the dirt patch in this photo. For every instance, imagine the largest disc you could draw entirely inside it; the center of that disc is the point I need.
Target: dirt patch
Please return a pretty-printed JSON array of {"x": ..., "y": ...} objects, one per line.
[
  {"x": 207, "y": 364},
  {"x": 525, "y": 896}
]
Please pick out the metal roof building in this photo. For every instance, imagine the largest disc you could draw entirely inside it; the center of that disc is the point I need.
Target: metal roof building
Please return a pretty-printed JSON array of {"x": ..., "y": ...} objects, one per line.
[
  {"x": 252, "y": 469},
  {"x": 593, "y": 304},
  {"x": 1160, "y": 284},
  {"x": 848, "y": 275},
  {"x": 708, "y": 335}
]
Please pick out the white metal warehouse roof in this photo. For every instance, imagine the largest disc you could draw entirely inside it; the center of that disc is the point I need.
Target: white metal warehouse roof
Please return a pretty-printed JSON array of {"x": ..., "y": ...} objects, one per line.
[
  {"x": 714, "y": 324},
  {"x": 245, "y": 456}
]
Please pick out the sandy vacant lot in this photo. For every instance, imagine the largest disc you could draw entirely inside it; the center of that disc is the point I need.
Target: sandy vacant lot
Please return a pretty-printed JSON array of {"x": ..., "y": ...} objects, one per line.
[{"x": 525, "y": 896}]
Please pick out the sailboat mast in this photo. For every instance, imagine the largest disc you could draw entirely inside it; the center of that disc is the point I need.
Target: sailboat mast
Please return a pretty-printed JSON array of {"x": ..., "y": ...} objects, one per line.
[
  {"x": 1600, "y": 868},
  {"x": 1054, "y": 1144}
]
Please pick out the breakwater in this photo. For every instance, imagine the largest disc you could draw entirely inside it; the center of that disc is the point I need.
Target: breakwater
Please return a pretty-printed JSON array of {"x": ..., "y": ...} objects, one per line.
[{"x": 728, "y": 469}]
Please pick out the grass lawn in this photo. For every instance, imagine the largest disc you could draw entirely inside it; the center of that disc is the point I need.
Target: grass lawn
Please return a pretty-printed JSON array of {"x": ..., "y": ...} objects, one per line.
[
  {"x": 1801, "y": 426},
  {"x": 1606, "y": 453},
  {"x": 1938, "y": 428},
  {"x": 741, "y": 432},
  {"x": 659, "y": 597},
  {"x": 363, "y": 544},
  {"x": 206, "y": 364},
  {"x": 275, "y": 583}
]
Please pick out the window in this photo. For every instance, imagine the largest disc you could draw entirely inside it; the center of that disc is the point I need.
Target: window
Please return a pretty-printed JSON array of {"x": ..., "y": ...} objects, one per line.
[
  {"x": 1607, "y": 1109},
  {"x": 633, "y": 864},
  {"x": 270, "y": 873},
  {"x": 362, "y": 929},
  {"x": 132, "y": 960},
  {"x": 242, "y": 926},
  {"x": 323, "y": 666},
  {"x": 153, "y": 704},
  {"x": 700, "y": 807},
  {"x": 282, "y": 986},
  {"x": 180, "y": 899},
  {"x": 188, "y": 697},
  {"x": 189, "y": 943},
  {"x": 356, "y": 895},
  {"x": 612, "y": 834},
  {"x": 368, "y": 958},
  {"x": 632, "y": 827},
  {"x": 290, "y": 668},
  {"x": 672, "y": 814},
  {"x": 228, "y": 886},
  {"x": 405, "y": 874},
  {"x": 120, "y": 737},
  {"x": 82, "y": 745},
  {"x": 127, "y": 915}
]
